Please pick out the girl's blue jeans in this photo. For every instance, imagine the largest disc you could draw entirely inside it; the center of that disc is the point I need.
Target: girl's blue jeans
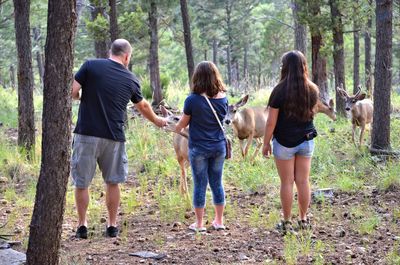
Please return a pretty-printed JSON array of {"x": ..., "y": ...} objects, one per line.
[{"x": 207, "y": 168}]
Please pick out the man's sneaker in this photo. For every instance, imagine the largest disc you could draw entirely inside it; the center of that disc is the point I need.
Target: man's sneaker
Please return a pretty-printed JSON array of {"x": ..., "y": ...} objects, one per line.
[
  {"x": 303, "y": 225},
  {"x": 81, "y": 232},
  {"x": 111, "y": 231}
]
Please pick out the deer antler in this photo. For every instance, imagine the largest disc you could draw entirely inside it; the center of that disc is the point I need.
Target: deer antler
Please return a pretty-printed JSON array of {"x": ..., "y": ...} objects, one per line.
[{"x": 342, "y": 92}]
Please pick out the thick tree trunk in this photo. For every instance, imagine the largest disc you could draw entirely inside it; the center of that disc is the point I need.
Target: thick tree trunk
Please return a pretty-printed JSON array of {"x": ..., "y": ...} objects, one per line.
[
  {"x": 153, "y": 60},
  {"x": 368, "y": 63},
  {"x": 26, "y": 118},
  {"x": 356, "y": 60},
  {"x": 383, "y": 75},
  {"x": 188, "y": 39},
  {"x": 300, "y": 29},
  {"x": 338, "y": 54},
  {"x": 319, "y": 73},
  {"x": 215, "y": 51},
  {"x": 37, "y": 37},
  {"x": 114, "y": 33},
  {"x": 47, "y": 218},
  {"x": 100, "y": 46}
]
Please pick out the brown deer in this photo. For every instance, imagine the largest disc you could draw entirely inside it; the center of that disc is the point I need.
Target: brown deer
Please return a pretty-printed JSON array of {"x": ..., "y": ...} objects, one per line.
[
  {"x": 249, "y": 123},
  {"x": 181, "y": 147},
  {"x": 361, "y": 110}
]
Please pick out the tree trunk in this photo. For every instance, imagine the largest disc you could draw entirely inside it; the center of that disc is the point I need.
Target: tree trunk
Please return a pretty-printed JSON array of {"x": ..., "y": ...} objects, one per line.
[
  {"x": 338, "y": 54},
  {"x": 368, "y": 64},
  {"x": 228, "y": 65},
  {"x": 228, "y": 10},
  {"x": 47, "y": 218},
  {"x": 246, "y": 67},
  {"x": 205, "y": 55},
  {"x": 319, "y": 73},
  {"x": 26, "y": 118},
  {"x": 153, "y": 60},
  {"x": 383, "y": 75},
  {"x": 300, "y": 29},
  {"x": 114, "y": 33},
  {"x": 37, "y": 37},
  {"x": 188, "y": 39},
  {"x": 215, "y": 51},
  {"x": 356, "y": 60},
  {"x": 100, "y": 46},
  {"x": 12, "y": 76}
]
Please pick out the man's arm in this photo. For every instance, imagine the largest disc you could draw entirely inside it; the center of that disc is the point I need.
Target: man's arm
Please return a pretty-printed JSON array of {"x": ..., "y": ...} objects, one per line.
[
  {"x": 144, "y": 107},
  {"x": 76, "y": 87}
]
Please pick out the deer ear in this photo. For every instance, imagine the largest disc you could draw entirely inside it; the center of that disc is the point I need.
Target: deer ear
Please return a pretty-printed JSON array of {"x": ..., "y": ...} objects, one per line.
[
  {"x": 331, "y": 103},
  {"x": 164, "y": 111},
  {"x": 361, "y": 96},
  {"x": 242, "y": 101}
]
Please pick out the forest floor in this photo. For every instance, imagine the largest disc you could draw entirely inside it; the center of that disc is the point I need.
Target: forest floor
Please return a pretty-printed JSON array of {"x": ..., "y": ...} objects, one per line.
[{"x": 334, "y": 222}]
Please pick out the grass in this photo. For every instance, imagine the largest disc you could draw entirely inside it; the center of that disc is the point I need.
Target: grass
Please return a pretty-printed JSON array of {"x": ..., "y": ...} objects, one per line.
[{"x": 155, "y": 173}]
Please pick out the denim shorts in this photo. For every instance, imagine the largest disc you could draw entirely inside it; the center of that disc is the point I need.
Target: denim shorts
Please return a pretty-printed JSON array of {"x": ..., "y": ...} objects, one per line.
[
  {"x": 87, "y": 151},
  {"x": 281, "y": 152}
]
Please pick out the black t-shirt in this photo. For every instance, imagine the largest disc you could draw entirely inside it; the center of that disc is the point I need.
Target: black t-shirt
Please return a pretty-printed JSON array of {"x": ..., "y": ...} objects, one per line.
[
  {"x": 107, "y": 87},
  {"x": 289, "y": 132}
]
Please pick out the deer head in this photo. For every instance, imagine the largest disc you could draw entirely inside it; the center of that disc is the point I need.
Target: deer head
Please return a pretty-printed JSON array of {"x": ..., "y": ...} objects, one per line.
[
  {"x": 172, "y": 119},
  {"x": 232, "y": 109},
  {"x": 350, "y": 101}
]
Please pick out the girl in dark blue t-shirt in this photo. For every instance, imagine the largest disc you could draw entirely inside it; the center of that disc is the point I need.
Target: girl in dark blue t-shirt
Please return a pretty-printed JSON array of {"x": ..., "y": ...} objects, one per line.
[
  {"x": 290, "y": 122},
  {"x": 206, "y": 140}
]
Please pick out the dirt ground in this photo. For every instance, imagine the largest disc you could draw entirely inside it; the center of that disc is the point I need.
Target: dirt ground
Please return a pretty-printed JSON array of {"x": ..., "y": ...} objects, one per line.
[{"x": 333, "y": 223}]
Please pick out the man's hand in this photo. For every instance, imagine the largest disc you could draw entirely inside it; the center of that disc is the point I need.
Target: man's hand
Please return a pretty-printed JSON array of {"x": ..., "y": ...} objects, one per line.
[{"x": 160, "y": 122}]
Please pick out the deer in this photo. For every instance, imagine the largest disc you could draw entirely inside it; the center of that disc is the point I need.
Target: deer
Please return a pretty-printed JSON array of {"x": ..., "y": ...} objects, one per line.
[
  {"x": 361, "y": 110},
  {"x": 181, "y": 146},
  {"x": 249, "y": 123}
]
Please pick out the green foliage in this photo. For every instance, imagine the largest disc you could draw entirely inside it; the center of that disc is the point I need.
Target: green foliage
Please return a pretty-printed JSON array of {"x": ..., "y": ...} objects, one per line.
[
  {"x": 98, "y": 29},
  {"x": 8, "y": 104}
]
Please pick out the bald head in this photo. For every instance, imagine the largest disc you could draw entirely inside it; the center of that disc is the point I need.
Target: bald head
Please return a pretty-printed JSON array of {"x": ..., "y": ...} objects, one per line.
[{"x": 120, "y": 47}]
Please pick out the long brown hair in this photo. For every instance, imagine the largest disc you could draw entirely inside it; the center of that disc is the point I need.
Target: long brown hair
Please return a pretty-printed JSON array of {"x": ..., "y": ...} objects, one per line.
[
  {"x": 207, "y": 79},
  {"x": 301, "y": 94}
]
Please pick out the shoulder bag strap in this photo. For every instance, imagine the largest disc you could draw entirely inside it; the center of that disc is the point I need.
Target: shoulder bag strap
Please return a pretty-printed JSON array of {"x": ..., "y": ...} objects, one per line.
[{"x": 215, "y": 113}]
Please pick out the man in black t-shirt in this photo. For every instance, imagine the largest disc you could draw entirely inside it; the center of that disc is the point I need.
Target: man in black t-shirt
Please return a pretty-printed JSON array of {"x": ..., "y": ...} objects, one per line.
[{"x": 107, "y": 86}]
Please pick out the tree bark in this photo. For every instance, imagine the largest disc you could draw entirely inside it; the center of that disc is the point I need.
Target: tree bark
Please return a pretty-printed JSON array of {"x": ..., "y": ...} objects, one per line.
[
  {"x": 153, "y": 60},
  {"x": 26, "y": 118},
  {"x": 47, "y": 218},
  {"x": 368, "y": 64},
  {"x": 319, "y": 73},
  {"x": 300, "y": 29},
  {"x": 215, "y": 51},
  {"x": 100, "y": 46},
  {"x": 228, "y": 11},
  {"x": 246, "y": 67},
  {"x": 39, "y": 61},
  {"x": 114, "y": 32},
  {"x": 356, "y": 59},
  {"x": 188, "y": 39},
  {"x": 383, "y": 75},
  {"x": 338, "y": 54}
]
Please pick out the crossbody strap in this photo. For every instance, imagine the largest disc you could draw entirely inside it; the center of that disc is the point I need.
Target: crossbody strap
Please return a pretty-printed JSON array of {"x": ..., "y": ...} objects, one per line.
[{"x": 215, "y": 113}]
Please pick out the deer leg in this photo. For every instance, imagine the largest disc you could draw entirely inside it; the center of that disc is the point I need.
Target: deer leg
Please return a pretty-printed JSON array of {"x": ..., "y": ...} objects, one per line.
[
  {"x": 183, "y": 189},
  {"x": 241, "y": 147},
  {"x": 362, "y": 133},
  {"x": 259, "y": 144},
  {"x": 248, "y": 143},
  {"x": 353, "y": 132}
]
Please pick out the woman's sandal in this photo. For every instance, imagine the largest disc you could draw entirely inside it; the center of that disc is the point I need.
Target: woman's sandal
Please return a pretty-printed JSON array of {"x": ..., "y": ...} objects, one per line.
[
  {"x": 193, "y": 227},
  {"x": 217, "y": 227},
  {"x": 303, "y": 225},
  {"x": 284, "y": 227}
]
